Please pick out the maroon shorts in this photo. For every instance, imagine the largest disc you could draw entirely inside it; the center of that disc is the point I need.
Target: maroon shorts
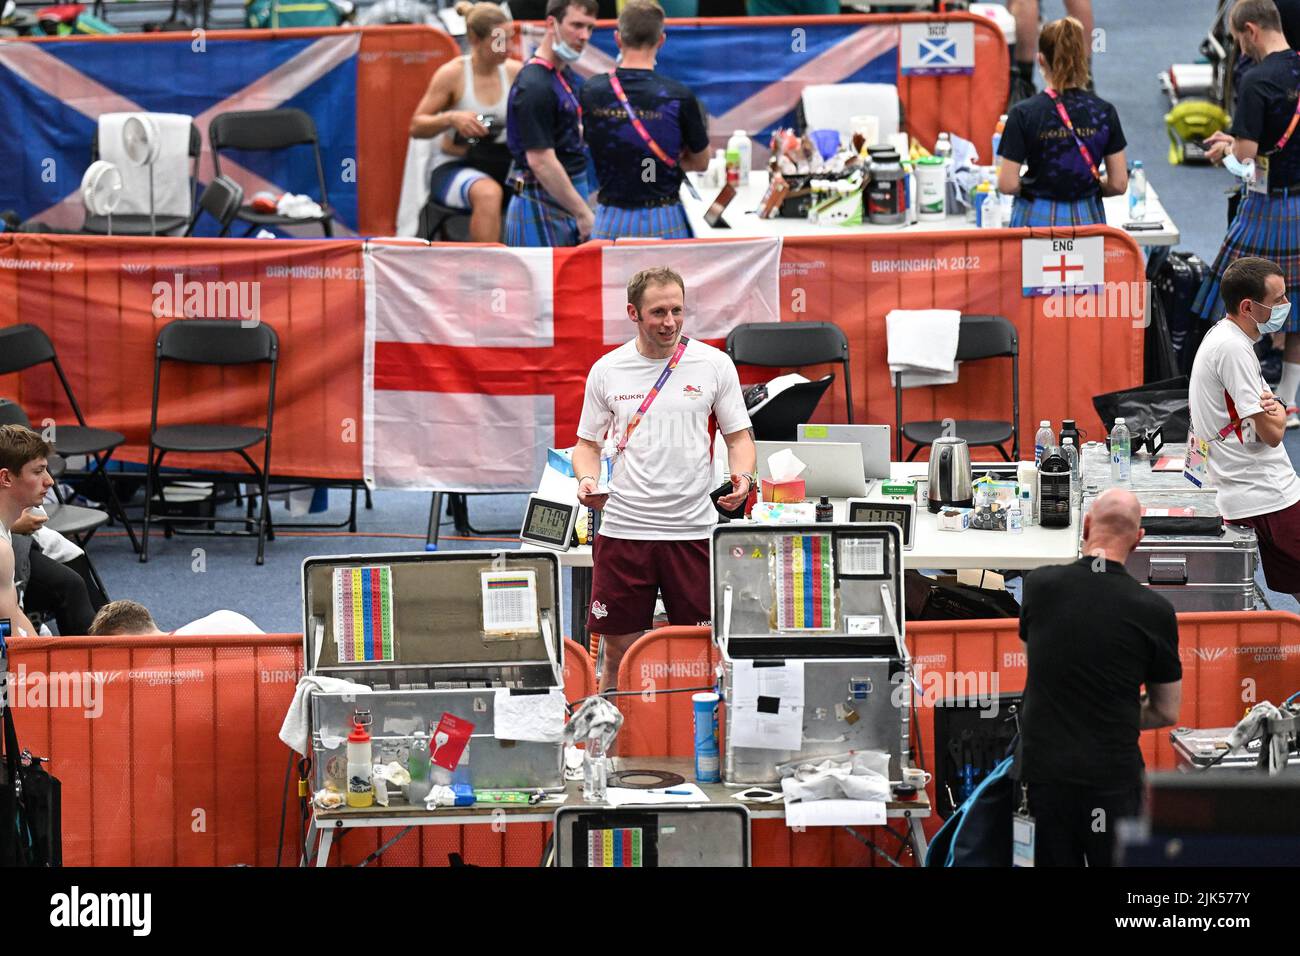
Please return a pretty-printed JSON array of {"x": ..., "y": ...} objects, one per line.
[
  {"x": 1278, "y": 534},
  {"x": 627, "y": 575}
]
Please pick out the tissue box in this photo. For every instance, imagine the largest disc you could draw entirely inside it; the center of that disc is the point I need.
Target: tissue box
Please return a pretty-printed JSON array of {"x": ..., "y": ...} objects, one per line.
[
  {"x": 954, "y": 519},
  {"x": 561, "y": 459},
  {"x": 792, "y": 490}
]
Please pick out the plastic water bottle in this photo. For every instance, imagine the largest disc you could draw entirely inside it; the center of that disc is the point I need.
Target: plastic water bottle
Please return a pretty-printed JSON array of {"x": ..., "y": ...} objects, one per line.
[
  {"x": 744, "y": 146},
  {"x": 417, "y": 764},
  {"x": 1119, "y": 452},
  {"x": 595, "y": 771},
  {"x": 1043, "y": 440},
  {"x": 1072, "y": 456},
  {"x": 997, "y": 138},
  {"x": 361, "y": 792},
  {"x": 1137, "y": 193}
]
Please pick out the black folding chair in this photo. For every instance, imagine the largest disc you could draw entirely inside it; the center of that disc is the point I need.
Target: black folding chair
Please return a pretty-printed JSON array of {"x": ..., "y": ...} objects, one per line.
[
  {"x": 793, "y": 345},
  {"x": 980, "y": 337},
  {"x": 25, "y": 346},
  {"x": 268, "y": 130},
  {"x": 221, "y": 200},
  {"x": 221, "y": 342},
  {"x": 137, "y": 223}
]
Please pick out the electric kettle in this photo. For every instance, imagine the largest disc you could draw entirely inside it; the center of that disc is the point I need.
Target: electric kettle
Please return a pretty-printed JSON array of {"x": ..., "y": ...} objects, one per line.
[{"x": 950, "y": 481}]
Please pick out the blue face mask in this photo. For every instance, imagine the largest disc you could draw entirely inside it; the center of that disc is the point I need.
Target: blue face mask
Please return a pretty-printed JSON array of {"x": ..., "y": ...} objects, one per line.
[
  {"x": 565, "y": 52},
  {"x": 1276, "y": 318}
]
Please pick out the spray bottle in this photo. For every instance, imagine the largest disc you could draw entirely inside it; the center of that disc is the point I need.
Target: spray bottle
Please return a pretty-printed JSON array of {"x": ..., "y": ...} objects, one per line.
[{"x": 361, "y": 792}]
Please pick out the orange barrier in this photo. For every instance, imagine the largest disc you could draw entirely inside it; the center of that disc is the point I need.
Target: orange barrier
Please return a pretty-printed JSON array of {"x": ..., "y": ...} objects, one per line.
[
  {"x": 1230, "y": 661},
  {"x": 393, "y": 69},
  {"x": 854, "y": 281},
  {"x": 103, "y": 300},
  {"x": 965, "y": 104},
  {"x": 579, "y": 672},
  {"x": 167, "y": 747},
  {"x": 111, "y": 291}
]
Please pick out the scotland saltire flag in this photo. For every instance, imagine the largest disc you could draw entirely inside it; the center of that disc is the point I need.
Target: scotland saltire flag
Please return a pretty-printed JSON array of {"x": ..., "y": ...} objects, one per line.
[
  {"x": 731, "y": 69},
  {"x": 53, "y": 93}
]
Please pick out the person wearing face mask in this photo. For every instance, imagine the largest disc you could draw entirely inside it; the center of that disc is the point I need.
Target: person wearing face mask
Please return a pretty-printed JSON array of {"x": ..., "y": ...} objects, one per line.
[
  {"x": 1264, "y": 148},
  {"x": 647, "y": 407},
  {"x": 544, "y": 127},
  {"x": 1233, "y": 409},
  {"x": 1062, "y": 136}
]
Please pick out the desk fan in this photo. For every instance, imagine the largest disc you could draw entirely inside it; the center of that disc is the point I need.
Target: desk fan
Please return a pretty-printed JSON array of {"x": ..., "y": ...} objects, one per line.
[
  {"x": 101, "y": 190},
  {"x": 142, "y": 142}
]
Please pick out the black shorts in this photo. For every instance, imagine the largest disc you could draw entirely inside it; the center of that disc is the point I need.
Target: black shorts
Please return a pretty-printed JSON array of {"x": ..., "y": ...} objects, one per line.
[{"x": 629, "y": 574}]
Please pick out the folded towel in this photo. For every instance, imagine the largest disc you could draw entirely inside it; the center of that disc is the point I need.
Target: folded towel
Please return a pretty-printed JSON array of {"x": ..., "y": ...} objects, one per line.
[
  {"x": 420, "y": 154},
  {"x": 295, "y": 731},
  {"x": 922, "y": 345},
  {"x": 172, "y": 191},
  {"x": 298, "y": 206}
]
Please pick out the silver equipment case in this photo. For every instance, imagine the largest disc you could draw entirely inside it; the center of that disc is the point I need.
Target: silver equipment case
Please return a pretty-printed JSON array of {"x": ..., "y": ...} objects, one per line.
[
  {"x": 704, "y": 835},
  {"x": 1195, "y": 572},
  {"x": 444, "y": 662},
  {"x": 845, "y": 673}
]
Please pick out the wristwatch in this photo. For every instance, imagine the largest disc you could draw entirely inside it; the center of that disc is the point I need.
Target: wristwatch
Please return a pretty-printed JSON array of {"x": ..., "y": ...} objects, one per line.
[{"x": 752, "y": 478}]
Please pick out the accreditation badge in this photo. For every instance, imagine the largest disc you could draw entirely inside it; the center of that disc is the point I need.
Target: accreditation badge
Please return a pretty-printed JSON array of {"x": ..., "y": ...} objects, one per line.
[{"x": 1196, "y": 460}]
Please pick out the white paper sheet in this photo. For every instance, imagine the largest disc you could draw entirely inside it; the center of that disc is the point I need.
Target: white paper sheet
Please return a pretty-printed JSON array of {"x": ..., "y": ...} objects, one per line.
[
  {"x": 536, "y": 717},
  {"x": 834, "y": 813},
  {"x": 751, "y": 727},
  {"x": 623, "y": 796}
]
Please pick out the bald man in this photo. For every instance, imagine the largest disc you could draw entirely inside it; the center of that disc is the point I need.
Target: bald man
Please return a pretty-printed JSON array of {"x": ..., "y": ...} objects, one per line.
[{"x": 1094, "y": 636}]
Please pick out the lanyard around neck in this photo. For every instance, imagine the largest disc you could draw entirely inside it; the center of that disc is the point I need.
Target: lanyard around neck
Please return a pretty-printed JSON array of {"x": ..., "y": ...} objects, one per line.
[
  {"x": 573, "y": 97},
  {"x": 653, "y": 393},
  {"x": 1065, "y": 118}
]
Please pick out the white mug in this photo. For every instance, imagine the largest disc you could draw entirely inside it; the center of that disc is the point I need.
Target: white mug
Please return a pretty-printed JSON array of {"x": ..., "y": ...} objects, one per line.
[{"x": 916, "y": 777}]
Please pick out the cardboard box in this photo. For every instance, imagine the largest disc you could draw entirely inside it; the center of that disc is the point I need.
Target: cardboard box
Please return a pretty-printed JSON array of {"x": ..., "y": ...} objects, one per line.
[
  {"x": 775, "y": 491},
  {"x": 954, "y": 519},
  {"x": 906, "y": 490}
]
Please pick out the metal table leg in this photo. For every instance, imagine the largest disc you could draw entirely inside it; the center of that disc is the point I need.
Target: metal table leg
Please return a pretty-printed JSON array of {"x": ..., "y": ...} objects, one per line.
[
  {"x": 323, "y": 850},
  {"x": 919, "y": 845}
]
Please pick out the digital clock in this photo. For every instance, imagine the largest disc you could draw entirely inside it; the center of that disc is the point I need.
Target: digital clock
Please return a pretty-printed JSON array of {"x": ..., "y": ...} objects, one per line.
[
  {"x": 901, "y": 513},
  {"x": 549, "y": 523}
]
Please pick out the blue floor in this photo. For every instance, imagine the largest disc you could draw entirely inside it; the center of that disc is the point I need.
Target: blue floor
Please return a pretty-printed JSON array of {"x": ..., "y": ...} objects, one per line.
[{"x": 1141, "y": 38}]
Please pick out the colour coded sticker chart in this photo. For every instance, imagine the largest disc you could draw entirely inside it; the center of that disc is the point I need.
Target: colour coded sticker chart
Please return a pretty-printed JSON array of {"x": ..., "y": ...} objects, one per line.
[
  {"x": 805, "y": 583},
  {"x": 363, "y": 613},
  {"x": 510, "y": 602},
  {"x": 614, "y": 848}
]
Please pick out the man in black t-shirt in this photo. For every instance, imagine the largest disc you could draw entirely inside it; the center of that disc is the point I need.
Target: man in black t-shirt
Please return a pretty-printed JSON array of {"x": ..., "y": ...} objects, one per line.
[
  {"x": 544, "y": 133},
  {"x": 1265, "y": 130},
  {"x": 1093, "y": 637},
  {"x": 640, "y": 166}
]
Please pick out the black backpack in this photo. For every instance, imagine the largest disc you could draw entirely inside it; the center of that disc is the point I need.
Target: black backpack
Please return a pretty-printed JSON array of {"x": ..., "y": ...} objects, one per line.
[{"x": 31, "y": 825}]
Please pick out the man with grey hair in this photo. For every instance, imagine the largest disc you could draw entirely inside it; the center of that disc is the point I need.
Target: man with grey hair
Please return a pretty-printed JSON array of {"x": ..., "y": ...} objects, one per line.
[
  {"x": 1094, "y": 636},
  {"x": 647, "y": 409}
]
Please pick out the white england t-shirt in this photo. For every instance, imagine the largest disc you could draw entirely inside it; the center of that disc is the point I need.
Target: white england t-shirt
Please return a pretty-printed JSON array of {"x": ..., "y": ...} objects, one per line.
[
  {"x": 660, "y": 487},
  {"x": 1252, "y": 478}
]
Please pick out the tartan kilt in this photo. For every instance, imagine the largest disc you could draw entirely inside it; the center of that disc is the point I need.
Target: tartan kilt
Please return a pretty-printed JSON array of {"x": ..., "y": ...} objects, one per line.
[
  {"x": 657, "y": 222},
  {"x": 1042, "y": 212},
  {"x": 1265, "y": 226},
  {"x": 535, "y": 219}
]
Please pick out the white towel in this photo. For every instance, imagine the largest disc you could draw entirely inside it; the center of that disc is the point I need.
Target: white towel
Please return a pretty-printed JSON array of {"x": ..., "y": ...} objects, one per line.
[
  {"x": 420, "y": 154},
  {"x": 923, "y": 345},
  {"x": 171, "y": 171},
  {"x": 295, "y": 730}
]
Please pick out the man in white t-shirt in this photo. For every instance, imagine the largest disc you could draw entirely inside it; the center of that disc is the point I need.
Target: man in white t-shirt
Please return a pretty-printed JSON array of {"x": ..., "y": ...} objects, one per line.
[
  {"x": 657, "y": 516},
  {"x": 1234, "y": 410},
  {"x": 24, "y": 479}
]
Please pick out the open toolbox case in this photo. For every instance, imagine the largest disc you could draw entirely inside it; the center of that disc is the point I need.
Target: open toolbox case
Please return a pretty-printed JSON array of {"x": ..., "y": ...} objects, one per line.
[
  {"x": 829, "y": 597},
  {"x": 446, "y": 655}
]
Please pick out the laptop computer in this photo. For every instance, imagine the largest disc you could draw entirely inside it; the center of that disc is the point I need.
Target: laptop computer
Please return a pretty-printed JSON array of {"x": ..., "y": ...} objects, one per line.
[
  {"x": 874, "y": 440},
  {"x": 834, "y": 468}
]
